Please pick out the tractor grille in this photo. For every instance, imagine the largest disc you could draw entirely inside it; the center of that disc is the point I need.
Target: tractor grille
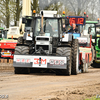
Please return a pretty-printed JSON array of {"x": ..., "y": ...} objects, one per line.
[
  {"x": 43, "y": 39},
  {"x": 44, "y": 47}
]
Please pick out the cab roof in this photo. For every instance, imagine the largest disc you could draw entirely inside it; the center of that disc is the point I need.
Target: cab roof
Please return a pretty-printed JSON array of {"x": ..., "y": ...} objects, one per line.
[
  {"x": 91, "y": 22},
  {"x": 1, "y": 28}
]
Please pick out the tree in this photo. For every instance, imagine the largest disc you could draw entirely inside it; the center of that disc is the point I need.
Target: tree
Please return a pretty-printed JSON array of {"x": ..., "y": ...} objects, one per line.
[
  {"x": 43, "y": 4},
  {"x": 4, "y": 9},
  {"x": 18, "y": 11},
  {"x": 10, "y": 11},
  {"x": 35, "y": 6},
  {"x": 77, "y": 6},
  {"x": 56, "y": 6},
  {"x": 93, "y": 10}
]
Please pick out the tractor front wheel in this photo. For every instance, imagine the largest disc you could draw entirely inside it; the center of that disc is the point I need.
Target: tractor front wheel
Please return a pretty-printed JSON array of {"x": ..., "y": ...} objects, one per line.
[
  {"x": 64, "y": 51},
  {"x": 21, "y": 50}
]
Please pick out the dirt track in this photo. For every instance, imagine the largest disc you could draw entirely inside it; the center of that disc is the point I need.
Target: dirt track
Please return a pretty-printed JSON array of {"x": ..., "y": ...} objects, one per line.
[{"x": 49, "y": 86}]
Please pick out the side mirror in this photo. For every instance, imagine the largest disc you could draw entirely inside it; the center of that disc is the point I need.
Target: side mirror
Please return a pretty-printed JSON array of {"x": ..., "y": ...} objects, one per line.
[
  {"x": 66, "y": 21},
  {"x": 23, "y": 20}
]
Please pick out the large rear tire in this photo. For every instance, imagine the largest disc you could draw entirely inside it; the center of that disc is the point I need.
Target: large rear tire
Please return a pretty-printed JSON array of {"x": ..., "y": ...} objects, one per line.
[
  {"x": 27, "y": 42},
  {"x": 75, "y": 57},
  {"x": 31, "y": 51},
  {"x": 21, "y": 50},
  {"x": 64, "y": 51},
  {"x": 20, "y": 40}
]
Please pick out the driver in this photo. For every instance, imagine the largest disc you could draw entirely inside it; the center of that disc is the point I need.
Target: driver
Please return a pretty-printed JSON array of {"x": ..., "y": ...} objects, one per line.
[
  {"x": 73, "y": 29},
  {"x": 48, "y": 27}
]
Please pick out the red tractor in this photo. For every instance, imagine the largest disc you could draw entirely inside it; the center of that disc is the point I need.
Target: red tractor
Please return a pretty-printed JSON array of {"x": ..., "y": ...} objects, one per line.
[{"x": 7, "y": 48}]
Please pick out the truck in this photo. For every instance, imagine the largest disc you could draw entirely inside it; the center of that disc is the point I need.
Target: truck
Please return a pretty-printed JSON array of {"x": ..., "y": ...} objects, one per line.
[{"x": 42, "y": 49}]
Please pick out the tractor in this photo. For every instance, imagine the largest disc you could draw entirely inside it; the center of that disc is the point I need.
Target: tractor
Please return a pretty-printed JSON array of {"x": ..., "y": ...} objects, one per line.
[
  {"x": 84, "y": 40},
  {"x": 3, "y": 34},
  {"x": 90, "y": 28},
  {"x": 96, "y": 62},
  {"x": 7, "y": 46},
  {"x": 42, "y": 48}
]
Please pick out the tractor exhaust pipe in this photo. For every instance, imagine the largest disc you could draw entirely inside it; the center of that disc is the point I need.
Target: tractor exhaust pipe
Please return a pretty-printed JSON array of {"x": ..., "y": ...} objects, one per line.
[{"x": 42, "y": 33}]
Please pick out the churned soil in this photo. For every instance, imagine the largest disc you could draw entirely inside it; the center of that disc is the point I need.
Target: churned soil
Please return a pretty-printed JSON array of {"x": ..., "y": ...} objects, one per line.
[{"x": 48, "y": 86}]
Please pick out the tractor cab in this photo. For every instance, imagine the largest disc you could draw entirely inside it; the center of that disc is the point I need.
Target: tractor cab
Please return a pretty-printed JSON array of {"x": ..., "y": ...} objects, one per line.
[
  {"x": 50, "y": 27},
  {"x": 90, "y": 29},
  {"x": 79, "y": 21},
  {"x": 28, "y": 23},
  {"x": 47, "y": 33},
  {"x": 3, "y": 33}
]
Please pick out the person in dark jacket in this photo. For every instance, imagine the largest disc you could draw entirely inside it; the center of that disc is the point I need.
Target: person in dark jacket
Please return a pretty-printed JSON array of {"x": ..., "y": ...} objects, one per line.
[{"x": 73, "y": 29}]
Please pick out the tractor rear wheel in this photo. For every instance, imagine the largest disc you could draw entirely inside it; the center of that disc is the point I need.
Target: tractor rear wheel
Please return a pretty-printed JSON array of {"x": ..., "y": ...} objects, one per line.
[
  {"x": 20, "y": 40},
  {"x": 27, "y": 42},
  {"x": 31, "y": 51},
  {"x": 21, "y": 50},
  {"x": 64, "y": 51},
  {"x": 75, "y": 57}
]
